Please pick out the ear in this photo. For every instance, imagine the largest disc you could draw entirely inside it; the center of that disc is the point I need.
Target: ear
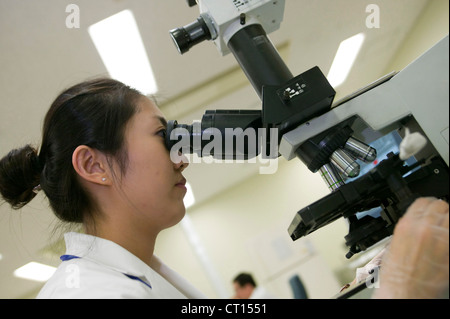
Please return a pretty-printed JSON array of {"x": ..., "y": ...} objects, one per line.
[{"x": 91, "y": 165}]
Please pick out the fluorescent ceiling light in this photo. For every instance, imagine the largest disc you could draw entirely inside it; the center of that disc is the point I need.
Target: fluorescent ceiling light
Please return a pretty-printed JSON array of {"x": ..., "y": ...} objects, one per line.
[
  {"x": 120, "y": 46},
  {"x": 189, "y": 198},
  {"x": 35, "y": 271},
  {"x": 344, "y": 59}
]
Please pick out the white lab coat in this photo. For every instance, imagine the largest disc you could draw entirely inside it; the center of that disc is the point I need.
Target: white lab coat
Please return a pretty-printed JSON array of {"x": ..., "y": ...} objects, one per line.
[{"x": 104, "y": 269}]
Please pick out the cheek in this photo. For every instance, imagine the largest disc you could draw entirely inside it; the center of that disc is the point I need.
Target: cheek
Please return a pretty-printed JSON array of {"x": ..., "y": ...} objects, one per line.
[
  {"x": 146, "y": 175},
  {"x": 149, "y": 175},
  {"x": 148, "y": 158}
]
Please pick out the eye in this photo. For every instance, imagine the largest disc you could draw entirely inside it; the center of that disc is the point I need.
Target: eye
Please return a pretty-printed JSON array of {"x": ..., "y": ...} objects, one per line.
[{"x": 162, "y": 133}]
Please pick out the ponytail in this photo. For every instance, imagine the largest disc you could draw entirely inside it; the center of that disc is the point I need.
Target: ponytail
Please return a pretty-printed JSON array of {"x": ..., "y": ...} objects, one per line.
[{"x": 20, "y": 172}]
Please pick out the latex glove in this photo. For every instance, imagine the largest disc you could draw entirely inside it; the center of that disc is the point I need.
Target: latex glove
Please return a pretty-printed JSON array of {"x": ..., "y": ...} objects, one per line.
[{"x": 416, "y": 264}]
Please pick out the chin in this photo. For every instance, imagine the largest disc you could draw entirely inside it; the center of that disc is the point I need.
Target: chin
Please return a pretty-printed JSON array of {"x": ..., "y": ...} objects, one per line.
[{"x": 178, "y": 215}]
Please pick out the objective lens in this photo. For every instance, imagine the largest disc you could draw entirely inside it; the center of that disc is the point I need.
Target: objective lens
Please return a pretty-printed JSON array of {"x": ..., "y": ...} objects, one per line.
[
  {"x": 331, "y": 177},
  {"x": 189, "y": 35},
  {"x": 361, "y": 150},
  {"x": 345, "y": 163}
]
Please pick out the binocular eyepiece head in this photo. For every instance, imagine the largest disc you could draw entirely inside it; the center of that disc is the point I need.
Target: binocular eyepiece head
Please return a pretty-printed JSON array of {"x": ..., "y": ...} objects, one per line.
[{"x": 231, "y": 134}]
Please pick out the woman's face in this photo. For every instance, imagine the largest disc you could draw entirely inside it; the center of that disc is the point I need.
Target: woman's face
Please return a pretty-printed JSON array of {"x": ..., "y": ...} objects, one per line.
[{"x": 153, "y": 186}]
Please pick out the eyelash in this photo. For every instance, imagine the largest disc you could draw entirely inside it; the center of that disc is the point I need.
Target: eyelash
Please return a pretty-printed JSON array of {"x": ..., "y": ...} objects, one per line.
[{"x": 162, "y": 133}]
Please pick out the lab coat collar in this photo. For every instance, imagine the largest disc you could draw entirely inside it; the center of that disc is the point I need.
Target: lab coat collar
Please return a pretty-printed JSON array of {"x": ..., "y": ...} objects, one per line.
[
  {"x": 106, "y": 253},
  {"x": 109, "y": 254}
]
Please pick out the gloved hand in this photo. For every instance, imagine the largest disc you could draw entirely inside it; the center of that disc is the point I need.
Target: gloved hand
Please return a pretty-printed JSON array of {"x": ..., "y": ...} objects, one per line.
[{"x": 416, "y": 264}]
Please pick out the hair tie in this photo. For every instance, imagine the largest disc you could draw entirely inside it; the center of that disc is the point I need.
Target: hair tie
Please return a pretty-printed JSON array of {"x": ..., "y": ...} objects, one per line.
[
  {"x": 36, "y": 189},
  {"x": 37, "y": 167}
]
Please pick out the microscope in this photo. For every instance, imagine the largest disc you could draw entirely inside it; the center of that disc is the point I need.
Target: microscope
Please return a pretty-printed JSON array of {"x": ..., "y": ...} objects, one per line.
[{"x": 370, "y": 189}]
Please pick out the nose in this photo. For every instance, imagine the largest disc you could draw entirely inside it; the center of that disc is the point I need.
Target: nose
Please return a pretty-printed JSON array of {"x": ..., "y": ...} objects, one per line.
[{"x": 182, "y": 162}]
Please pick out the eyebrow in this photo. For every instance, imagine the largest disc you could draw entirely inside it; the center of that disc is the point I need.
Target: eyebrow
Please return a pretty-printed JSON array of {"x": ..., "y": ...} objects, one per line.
[{"x": 162, "y": 120}]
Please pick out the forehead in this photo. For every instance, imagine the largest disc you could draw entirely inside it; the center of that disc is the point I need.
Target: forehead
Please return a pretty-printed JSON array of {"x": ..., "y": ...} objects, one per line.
[
  {"x": 149, "y": 111},
  {"x": 147, "y": 105}
]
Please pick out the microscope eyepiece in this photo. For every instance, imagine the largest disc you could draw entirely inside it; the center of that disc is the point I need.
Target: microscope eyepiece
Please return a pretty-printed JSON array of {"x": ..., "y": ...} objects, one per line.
[
  {"x": 223, "y": 134},
  {"x": 177, "y": 133},
  {"x": 188, "y": 36}
]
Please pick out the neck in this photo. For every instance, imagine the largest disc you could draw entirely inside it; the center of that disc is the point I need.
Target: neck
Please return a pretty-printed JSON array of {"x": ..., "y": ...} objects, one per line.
[
  {"x": 118, "y": 222},
  {"x": 139, "y": 242}
]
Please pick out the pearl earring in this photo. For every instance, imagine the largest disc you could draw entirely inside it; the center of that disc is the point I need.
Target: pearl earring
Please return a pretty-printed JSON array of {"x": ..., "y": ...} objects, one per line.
[{"x": 104, "y": 179}]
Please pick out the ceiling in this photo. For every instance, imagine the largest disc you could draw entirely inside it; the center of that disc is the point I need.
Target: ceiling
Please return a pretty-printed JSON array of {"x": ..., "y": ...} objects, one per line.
[{"x": 40, "y": 57}]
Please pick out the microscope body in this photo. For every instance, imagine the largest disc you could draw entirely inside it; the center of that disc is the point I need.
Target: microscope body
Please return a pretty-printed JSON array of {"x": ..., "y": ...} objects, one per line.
[{"x": 328, "y": 138}]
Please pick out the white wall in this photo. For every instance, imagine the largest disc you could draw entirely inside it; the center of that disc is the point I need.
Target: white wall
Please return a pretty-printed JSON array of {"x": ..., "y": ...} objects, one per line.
[
  {"x": 430, "y": 27},
  {"x": 239, "y": 227}
]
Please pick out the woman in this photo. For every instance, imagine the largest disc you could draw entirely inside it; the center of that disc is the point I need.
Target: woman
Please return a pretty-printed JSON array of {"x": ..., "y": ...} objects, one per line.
[{"x": 103, "y": 163}]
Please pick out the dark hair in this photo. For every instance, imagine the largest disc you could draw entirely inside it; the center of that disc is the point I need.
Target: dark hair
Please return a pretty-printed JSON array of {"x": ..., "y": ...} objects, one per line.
[
  {"x": 244, "y": 279},
  {"x": 93, "y": 113}
]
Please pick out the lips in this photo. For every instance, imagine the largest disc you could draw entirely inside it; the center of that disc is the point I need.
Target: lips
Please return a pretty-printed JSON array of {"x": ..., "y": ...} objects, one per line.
[{"x": 181, "y": 183}]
